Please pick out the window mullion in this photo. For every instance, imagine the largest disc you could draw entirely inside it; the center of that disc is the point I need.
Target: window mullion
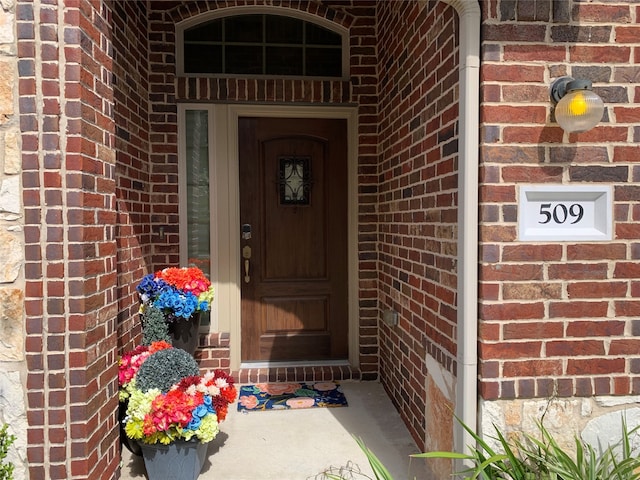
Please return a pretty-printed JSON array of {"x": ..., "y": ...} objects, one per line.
[
  {"x": 264, "y": 44},
  {"x": 224, "y": 46}
]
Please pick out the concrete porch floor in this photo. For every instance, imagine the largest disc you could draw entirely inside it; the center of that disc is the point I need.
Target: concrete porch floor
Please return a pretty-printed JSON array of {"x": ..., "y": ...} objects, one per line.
[{"x": 301, "y": 444}]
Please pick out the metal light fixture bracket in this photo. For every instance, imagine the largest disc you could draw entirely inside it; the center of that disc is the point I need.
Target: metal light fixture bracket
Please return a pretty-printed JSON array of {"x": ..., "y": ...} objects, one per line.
[{"x": 563, "y": 85}]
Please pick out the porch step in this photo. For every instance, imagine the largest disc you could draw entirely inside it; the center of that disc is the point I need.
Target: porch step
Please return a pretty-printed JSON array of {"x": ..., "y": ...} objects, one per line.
[{"x": 312, "y": 373}]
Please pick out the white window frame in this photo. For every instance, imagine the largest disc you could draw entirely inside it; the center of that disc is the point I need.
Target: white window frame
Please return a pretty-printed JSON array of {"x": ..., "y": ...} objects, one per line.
[{"x": 182, "y": 200}]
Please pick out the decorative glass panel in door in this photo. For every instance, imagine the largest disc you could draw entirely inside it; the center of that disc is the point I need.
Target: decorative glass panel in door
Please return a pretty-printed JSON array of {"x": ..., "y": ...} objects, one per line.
[{"x": 197, "y": 193}]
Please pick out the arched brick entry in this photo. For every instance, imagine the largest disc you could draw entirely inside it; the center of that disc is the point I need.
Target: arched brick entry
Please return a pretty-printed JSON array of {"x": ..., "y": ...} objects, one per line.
[{"x": 113, "y": 163}]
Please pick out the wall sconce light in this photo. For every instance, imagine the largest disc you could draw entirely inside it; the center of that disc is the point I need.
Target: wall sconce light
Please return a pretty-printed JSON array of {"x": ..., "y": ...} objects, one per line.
[{"x": 578, "y": 108}]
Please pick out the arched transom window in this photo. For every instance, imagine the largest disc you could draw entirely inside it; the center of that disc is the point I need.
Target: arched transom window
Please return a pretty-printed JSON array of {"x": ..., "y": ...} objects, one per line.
[{"x": 260, "y": 44}]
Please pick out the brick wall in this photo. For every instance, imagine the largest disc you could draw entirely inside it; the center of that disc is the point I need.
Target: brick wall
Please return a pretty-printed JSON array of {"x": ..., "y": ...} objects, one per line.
[
  {"x": 99, "y": 163},
  {"x": 70, "y": 250},
  {"x": 135, "y": 239},
  {"x": 417, "y": 199},
  {"x": 166, "y": 89},
  {"x": 558, "y": 318}
]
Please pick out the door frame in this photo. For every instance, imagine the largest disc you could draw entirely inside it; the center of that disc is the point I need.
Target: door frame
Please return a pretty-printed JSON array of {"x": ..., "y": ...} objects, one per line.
[{"x": 225, "y": 216}]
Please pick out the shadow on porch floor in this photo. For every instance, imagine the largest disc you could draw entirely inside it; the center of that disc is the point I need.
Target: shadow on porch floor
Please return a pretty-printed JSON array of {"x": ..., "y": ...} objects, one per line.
[{"x": 301, "y": 444}]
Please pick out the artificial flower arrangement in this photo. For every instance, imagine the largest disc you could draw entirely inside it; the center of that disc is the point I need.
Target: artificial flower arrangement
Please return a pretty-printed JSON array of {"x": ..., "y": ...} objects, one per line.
[
  {"x": 167, "y": 399},
  {"x": 178, "y": 292}
]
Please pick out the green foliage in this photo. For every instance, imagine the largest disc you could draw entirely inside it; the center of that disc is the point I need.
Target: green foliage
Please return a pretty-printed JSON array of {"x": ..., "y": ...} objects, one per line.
[
  {"x": 352, "y": 472},
  {"x": 530, "y": 457},
  {"x": 541, "y": 458},
  {"x": 164, "y": 368},
  {"x": 379, "y": 470},
  {"x": 154, "y": 326},
  {"x": 6, "y": 440}
]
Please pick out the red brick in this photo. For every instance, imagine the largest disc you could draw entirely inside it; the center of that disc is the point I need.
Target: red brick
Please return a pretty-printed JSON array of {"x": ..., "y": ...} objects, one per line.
[
  {"x": 627, "y": 346},
  {"x": 509, "y": 272},
  {"x": 627, "y": 270},
  {"x": 511, "y": 114},
  {"x": 532, "y": 368},
  {"x": 511, "y": 311},
  {"x": 512, "y": 73},
  {"x": 531, "y": 291},
  {"x": 510, "y": 154},
  {"x": 532, "y": 330},
  {"x": 599, "y": 54},
  {"x": 498, "y": 233},
  {"x": 627, "y": 308},
  {"x": 626, "y": 154},
  {"x": 622, "y": 386},
  {"x": 601, "y": 133},
  {"x": 627, "y": 114},
  {"x": 535, "y": 134},
  {"x": 534, "y": 53},
  {"x": 595, "y": 366},
  {"x": 604, "y": 13},
  {"x": 532, "y": 174},
  {"x": 489, "y": 390},
  {"x": 510, "y": 350},
  {"x": 597, "y": 289},
  {"x": 531, "y": 253},
  {"x": 578, "y": 309},
  {"x": 575, "y": 348},
  {"x": 597, "y": 251},
  {"x": 578, "y": 271},
  {"x": 595, "y": 328},
  {"x": 489, "y": 331},
  {"x": 529, "y": 33},
  {"x": 498, "y": 193}
]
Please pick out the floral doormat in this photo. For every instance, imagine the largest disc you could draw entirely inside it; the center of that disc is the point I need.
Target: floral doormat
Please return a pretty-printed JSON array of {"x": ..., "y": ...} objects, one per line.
[{"x": 285, "y": 396}]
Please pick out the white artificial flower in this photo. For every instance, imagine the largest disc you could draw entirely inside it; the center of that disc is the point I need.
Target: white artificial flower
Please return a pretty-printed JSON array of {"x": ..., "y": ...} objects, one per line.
[{"x": 221, "y": 383}]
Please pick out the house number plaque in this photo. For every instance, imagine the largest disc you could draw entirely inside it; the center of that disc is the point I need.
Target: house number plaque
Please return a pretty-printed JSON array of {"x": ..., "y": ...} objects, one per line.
[{"x": 565, "y": 213}]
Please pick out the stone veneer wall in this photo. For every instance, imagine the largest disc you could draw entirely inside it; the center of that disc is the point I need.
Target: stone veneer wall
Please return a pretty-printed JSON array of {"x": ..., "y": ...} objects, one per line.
[{"x": 12, "y": 281}]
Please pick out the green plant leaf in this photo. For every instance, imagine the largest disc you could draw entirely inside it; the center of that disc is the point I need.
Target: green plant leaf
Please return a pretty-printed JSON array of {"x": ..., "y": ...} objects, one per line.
[
  {"x": 379, "y": 470},
  {"x": 451, "y": 455}
]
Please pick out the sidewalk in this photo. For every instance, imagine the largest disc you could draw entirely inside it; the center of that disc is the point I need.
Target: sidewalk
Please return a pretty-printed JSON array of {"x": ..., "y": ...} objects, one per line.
[{"x": 301, "y": 444}]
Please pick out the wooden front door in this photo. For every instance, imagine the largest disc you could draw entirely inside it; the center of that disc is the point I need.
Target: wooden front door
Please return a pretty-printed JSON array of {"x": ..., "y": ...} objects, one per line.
[{"x": 293, "y": 212}]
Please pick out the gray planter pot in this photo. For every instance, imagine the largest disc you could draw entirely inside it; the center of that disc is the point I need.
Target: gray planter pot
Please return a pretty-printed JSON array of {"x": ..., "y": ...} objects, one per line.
[
  {"x": 179, "y": 460},
  {"x": 185, "y": 333}
]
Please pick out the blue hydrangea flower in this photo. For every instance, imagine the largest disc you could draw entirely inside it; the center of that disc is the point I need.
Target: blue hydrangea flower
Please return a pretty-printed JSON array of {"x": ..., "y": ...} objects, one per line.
[
  {"x": 208, "y": 403},
  {"x": 195, "y": 422}
]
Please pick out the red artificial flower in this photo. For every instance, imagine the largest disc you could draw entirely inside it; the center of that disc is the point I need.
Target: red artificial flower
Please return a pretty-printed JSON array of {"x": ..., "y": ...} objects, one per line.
[
  {"x": 187, "y": 382},
  {"x": 130, "y": 362},
  {"x": 186, "y": 279},
  {"x": 159, "y": 345},
  {"x": 220, "y": 405},
  {"x": 171, "y": 409},
  {"x": 228, "y": 393}
]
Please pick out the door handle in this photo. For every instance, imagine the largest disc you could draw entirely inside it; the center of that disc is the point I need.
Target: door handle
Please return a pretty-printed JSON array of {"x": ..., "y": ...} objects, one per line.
[{"x": 246, "y": 254}]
